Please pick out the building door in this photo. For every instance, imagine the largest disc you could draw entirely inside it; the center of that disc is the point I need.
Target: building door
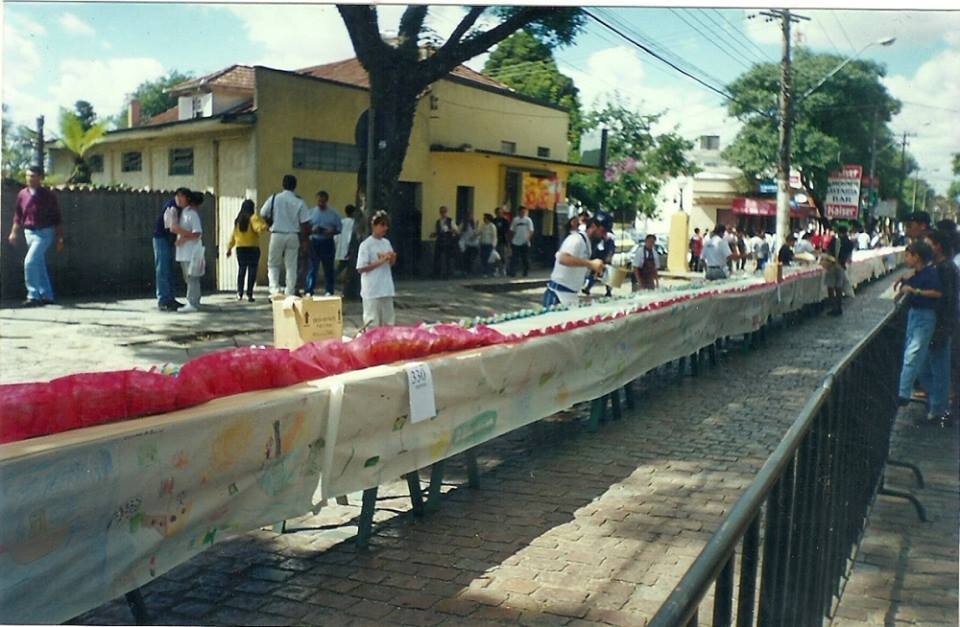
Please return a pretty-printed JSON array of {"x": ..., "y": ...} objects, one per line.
[
  {"x": 464, "y": 203},
  {"x": 405, "y": 229},
  {"x": 513, "y": 190}
]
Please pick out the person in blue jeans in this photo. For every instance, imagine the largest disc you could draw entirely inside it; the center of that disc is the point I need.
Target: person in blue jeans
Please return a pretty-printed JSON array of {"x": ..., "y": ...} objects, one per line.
[
  {"x": 935, "y": 376},
  {"x": 163, "y": 248},
  {"x": 37, "y": 212},
  {"x": 325, "y": 223},
  {"x": 920, "y": 292}
]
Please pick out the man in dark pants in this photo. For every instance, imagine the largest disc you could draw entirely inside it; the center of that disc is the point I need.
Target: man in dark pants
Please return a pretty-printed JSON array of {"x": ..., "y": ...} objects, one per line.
[
  {"x": 163, "y": 248},
  {"x": 325, "y": 223},
  {"x": 445, "y": 235},
  {"x": 521, "y": 235}
]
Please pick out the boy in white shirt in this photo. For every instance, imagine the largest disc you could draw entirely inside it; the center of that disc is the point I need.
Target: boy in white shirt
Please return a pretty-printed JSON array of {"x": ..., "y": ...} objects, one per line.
[{"x": 374, "y": 259}]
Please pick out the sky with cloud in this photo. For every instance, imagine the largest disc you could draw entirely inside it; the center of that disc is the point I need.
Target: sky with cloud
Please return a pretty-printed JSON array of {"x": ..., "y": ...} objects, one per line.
[{"x": 57, "y": 53}]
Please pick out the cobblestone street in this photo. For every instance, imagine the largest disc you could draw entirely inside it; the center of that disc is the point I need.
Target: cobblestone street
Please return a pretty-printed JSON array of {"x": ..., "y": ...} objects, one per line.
[{"x": 565, "y": 528}]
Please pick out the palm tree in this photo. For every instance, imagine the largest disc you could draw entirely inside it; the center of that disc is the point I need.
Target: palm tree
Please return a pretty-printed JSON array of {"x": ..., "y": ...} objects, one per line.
[{"x": 78, "y": 140}]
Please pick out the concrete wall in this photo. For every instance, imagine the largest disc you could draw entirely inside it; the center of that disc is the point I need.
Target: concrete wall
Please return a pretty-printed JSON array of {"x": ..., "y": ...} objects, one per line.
[
  {"x": 291, "y": 106},
  {"x": 109, "y": 244},
  {"x": 236, "y": 165},
  {"x": 467, "y": 115}
]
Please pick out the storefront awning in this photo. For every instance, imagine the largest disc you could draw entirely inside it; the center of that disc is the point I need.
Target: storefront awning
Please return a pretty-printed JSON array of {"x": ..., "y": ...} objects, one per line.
[{"x": 743, "y": 205}]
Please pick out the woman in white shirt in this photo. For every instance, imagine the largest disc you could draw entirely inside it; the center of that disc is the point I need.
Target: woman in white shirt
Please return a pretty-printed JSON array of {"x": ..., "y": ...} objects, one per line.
[{"x": 189, "y": 246}]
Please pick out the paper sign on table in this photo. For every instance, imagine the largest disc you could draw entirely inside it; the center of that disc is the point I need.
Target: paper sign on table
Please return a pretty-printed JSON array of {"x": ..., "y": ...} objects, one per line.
[{"x": 423, "y": 402}]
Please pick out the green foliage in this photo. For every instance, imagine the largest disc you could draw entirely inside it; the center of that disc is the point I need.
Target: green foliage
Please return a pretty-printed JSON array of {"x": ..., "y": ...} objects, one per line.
[
  {"x": 637, "y": 163},
  {"x": 18, "y": 148},
  {"x": 527, "y": 65},
  {"x": 559, "y": 27},
  {"x": 78, "y": 140},
  {"x": 832, "y": 126},
  {"x": 153, "y": 99},
  {"x": 84, "y": 111}
]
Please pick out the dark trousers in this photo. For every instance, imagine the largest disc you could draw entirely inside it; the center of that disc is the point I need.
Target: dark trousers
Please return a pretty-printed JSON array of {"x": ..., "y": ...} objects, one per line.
[
  {"x": 694, "y": 263},
  {"x": 322, "y": 251},
  {"x": 519, "y": 255},
  {"x": 443, "y": 259},
  {"x": 248, "y": 257},
  {"x": 485, "y": 250},
  {"x": 469, "y": 259}
]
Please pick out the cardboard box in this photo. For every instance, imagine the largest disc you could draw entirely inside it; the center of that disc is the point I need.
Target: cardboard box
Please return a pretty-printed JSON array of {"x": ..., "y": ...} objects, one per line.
[
  {"x": 773, "y": 272},
  {"x": 297, "y": 321}
]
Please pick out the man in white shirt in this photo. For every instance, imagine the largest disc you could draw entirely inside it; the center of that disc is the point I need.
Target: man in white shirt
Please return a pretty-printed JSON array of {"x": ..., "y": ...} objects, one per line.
[
  {"x": 716, "y": 254},
  {"x": 804, "y": 245},
  {"x": 344, "y": 237},
  {"x": 521, "y": 234},
  {"x": 289, "y": 220},
  {"x": 573, "y": 262}
]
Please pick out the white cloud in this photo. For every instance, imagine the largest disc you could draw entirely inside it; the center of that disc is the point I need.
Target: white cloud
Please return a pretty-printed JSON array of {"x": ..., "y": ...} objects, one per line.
[
  {"x": 932, "y": 98},
  {"x": 74, "y": 25},
  {"x": 21, "y": 63},
  {"x": 620, "y": 72},
  {"x": 850, "y": 31},
  {"x": 320, "y": 34}
]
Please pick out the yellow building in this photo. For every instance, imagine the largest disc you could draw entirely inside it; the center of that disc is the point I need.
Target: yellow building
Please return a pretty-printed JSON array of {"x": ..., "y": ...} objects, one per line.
[{"x": 475, "y": 145}]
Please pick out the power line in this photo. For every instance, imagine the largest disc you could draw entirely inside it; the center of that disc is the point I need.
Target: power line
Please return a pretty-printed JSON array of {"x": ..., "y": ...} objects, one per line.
[
  {"x": 763, "y": 54},
  {"x": 664, "y": 52},
  {"x": 830, "y": 39},
  {"x": 844, "y": 31},
  {"x": 716, "y": 43},
  {"x": 647, "y": 49},
  {"x": 724, "y": 29}
]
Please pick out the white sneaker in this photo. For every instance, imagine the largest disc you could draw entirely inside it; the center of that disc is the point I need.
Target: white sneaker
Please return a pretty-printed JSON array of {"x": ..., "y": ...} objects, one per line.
[{"x": 188, "y": 308}]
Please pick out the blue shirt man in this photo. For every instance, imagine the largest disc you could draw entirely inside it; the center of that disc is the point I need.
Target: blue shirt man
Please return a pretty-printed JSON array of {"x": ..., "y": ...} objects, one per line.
[
  {"x": 324, "y": 224},
  {"x": 163, "y": 248}
]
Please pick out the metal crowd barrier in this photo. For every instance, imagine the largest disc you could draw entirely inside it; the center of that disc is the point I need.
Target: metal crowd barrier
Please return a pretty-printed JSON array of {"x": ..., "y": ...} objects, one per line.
[{"x": 797, "y": 526}]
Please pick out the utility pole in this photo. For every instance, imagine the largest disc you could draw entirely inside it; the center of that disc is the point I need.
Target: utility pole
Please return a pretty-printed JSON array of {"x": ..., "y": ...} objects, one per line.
[
  {"x": 40, "y": 145},
  {"x": 786, "y": 122},
  {"x": 874, "y": 188}
]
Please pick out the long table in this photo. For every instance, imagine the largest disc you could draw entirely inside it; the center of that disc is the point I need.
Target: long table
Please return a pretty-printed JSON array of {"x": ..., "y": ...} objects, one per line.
[{"x": 88, "y": 515}]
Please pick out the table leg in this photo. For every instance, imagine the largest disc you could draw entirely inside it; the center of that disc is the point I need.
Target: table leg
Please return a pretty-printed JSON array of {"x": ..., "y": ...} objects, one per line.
[
  {"x": 365, "y": 524},
  {"x": 433, "y": 492},
  {"x": 473, "y": 471},
  {"x": 416, "y": 495}
]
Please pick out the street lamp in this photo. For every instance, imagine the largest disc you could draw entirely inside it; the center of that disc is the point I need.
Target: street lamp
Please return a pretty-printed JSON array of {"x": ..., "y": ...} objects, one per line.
[{"x": 888, "y": 41}]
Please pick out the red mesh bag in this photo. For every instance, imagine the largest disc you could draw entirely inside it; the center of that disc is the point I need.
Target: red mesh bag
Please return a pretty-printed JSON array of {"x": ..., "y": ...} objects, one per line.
[
  {"x": 98, "y": 397},
  {"x": 149, "y": 393},
  {"x": 23, "y": 411},
  {"x": 327, "y": 356}
]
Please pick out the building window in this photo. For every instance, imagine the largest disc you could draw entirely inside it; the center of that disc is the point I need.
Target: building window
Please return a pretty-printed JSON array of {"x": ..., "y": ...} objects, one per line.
[
  {"x": 508, "y": 147},
  {"x": 131, "y": 162},
  {"x": 543, "y": 151},
  {"x": 312, "y": 154},
  {"x": 181, "y": 161},
  {"x": 709, "y": 142},
  {"x": 95, "y": 163}
]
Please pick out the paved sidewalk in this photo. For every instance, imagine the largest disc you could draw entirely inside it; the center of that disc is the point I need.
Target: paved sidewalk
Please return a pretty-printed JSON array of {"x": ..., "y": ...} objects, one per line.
[
  {"x": 906, "y": 572},
  {"x": 566, "y": 527}
]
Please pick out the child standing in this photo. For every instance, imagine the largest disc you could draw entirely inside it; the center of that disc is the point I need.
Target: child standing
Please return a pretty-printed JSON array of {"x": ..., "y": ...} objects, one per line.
[
  {"x": 921, "y": 291},
  {"x": 374, "y": 259},
  {"x": 645, "y": 264},
  {"x": 246, "y": 237},
  {"x": 189, "y": 233}
]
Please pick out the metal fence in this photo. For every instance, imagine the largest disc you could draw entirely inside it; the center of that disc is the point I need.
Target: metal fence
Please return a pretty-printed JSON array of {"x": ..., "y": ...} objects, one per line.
[{"x": 797, "y": 526}]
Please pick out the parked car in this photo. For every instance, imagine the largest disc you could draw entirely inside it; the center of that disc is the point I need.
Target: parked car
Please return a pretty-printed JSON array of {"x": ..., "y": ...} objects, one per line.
[{"x": 625, "y": 258}]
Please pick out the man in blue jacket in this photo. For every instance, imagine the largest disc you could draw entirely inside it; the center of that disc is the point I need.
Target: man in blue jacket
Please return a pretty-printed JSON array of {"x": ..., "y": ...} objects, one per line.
[{"x": 163, "y": 248}]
